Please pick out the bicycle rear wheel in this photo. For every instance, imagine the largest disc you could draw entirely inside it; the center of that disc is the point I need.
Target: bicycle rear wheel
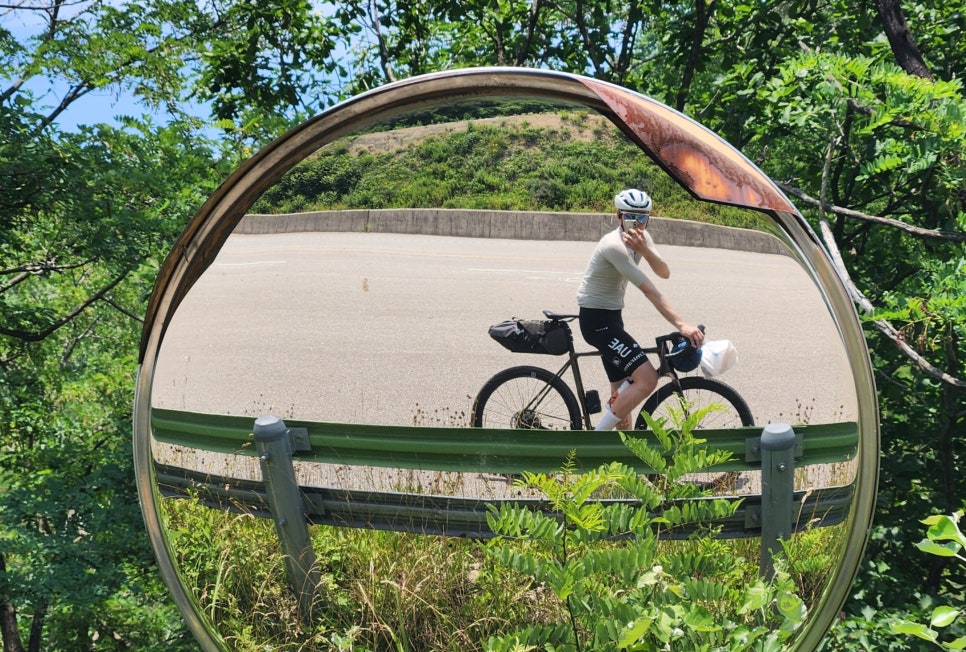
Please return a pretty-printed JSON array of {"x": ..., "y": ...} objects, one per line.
[{"x": 526, "y": 397}]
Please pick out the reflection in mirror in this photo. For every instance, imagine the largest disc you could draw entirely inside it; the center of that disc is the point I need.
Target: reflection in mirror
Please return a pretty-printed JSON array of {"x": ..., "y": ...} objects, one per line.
[{"x": 359, "y": 290}]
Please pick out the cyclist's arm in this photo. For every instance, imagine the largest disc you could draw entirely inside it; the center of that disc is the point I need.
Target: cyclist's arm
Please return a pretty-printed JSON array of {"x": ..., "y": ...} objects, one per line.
[
  {"x": 664, "y": 307},
  {"x": 642, "y": 242},
  {"x": 617, "y": 256}
]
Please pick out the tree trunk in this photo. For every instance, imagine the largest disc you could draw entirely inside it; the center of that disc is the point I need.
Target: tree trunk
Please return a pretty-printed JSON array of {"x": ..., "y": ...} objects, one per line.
[
  {"x": 900, "y": 38},
  {"x": 532, "y": 22},
  {"x": 8, "y": 627},
  {"x": 702, "y": 15},
  {"x": 37, "y": 629},
  {"x": 8, "y": 618},
  {"x": 953, "y": 412},
  {"x": 635, "y": 15}
]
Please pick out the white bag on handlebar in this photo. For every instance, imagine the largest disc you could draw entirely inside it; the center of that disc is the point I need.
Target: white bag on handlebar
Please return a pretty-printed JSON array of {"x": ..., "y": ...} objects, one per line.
[{"x": 718, "y": 357}]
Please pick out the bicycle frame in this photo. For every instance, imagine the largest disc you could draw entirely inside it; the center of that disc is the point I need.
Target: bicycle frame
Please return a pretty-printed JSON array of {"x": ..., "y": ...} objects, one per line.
[
  {"x": 663, "y": 370},
  {"x": 578, "y": 381},
  {"x": 662, "y": 348}
]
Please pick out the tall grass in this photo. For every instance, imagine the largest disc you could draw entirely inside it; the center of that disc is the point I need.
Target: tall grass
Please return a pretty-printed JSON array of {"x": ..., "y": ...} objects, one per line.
[
  {"x": 380, "y": 590},
  {"x": 390, "y": 591}
]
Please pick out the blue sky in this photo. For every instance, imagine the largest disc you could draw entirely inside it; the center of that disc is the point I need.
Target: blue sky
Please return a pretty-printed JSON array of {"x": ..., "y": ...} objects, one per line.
[{"x": 100, "y": 106}]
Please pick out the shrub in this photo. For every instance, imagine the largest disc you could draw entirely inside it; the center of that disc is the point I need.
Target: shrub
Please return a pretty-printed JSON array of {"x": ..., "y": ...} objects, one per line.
[{"x": 618, "y": 586}]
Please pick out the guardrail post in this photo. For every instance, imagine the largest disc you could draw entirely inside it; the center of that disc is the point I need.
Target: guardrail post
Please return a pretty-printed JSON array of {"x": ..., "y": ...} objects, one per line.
[
  {"x": 274, "y": 449},
  {"x": 777, "y": 491}
]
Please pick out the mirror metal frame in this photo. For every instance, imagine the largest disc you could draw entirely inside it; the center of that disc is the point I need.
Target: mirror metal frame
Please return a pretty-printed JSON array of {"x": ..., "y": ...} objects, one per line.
[{"x": 702, "y": 162}]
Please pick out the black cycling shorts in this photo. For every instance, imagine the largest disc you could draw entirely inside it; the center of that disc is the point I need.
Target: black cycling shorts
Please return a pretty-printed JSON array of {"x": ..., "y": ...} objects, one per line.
[{"x": 604, "y": 330}]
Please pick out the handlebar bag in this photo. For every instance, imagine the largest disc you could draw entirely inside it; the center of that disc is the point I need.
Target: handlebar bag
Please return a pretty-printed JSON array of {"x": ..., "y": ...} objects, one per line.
[{"x": 532, "y": 336}]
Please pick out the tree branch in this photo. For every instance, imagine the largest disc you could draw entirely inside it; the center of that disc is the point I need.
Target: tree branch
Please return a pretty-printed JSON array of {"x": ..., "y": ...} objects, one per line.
[
  {"x": 385, "y": 61},
  {"x": 532, "y": 20},
  {"x": 13, "y": 88},
  {"x": 40, "y": 267},
  {"x": 23, "y": 272},
  {"x": 19, "y": 278},
  {"x": 885, "y": 327},
  {"x": 76, "y": 92},
  {"x": 592, "y": 52},
  {"x": 702, "y": 16},
  {"x": 121, "y": 309},
  {"x": 952, "y": 236},
  {"x": 628, "y": 38},
  {"x": 28, "y": 336},
  {"x": 866, "y": 111}
]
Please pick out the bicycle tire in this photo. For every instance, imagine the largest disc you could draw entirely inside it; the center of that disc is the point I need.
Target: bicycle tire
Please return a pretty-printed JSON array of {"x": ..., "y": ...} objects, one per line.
[
  {"x": 512, "y": 399},
  {"x": 699, "y": 392}
]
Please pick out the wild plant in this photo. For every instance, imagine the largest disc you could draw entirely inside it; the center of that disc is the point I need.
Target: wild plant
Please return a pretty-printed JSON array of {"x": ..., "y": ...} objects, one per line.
[
  {"x": 618, "y": 587},
  {"x": 944, "y": 538}
]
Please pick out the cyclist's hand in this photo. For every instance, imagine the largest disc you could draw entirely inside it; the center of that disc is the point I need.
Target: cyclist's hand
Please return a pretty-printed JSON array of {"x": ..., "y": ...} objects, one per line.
[
  {"x": 694, "y": 334},
  {"x": 636, "y": 240}
]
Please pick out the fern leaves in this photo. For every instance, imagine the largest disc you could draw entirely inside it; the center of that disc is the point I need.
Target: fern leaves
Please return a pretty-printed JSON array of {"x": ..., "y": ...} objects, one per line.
[{"x": 618, "y": 584}]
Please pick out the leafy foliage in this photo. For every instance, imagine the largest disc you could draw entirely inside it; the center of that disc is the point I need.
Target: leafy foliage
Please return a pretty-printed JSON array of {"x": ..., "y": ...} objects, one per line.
[
  {"x": 513, "y": 164},
  {"x": 944, "y": 539},
  {"x": 876, "y": 155},
  {"x": 77, "y": 260},
  {"x": 619, "y": 585},
  {"x": 278, "y": 51},
  {"x": 85, "y": 217}
]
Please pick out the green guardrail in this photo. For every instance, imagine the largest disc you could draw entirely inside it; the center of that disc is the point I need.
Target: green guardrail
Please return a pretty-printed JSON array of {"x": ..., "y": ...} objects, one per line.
[
  {"x": 775, "y": 451},
  {"x": 451, "y": 515},
  {"x": 481, "y": 449}
]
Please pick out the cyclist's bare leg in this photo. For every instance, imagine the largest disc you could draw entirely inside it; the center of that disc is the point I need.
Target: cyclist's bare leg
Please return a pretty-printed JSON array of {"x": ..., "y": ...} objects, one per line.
[
  {"x": 624, "y": 406},
  {"x": 625, "y": 423}
]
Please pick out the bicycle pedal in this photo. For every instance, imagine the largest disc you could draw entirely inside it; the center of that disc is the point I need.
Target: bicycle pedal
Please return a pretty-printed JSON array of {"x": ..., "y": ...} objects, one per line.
[{"x": 592, "y": 401}]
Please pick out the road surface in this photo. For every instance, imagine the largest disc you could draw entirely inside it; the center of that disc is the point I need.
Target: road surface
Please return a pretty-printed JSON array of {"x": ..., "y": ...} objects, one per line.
[{"x": 392, "y": 329}]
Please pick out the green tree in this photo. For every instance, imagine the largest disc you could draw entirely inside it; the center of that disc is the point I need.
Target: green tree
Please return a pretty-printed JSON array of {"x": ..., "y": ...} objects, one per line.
[
  {"x": 77, "y": 260},
  {"x": 889, "y": 187},
  {"x": 873, "y": 155},
  {"x": 85, "y": 217},
  {"x": 854, "y": 107},
  {"x": 265, "y": 66}
]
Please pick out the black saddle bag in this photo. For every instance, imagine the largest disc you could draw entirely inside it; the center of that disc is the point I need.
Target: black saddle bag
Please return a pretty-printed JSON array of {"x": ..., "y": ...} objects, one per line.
[{"x": 533, "y": 336}]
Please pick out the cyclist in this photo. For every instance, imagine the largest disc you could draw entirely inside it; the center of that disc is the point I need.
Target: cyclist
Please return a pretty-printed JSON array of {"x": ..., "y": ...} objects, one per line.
[{"x": 601, "y": 299}]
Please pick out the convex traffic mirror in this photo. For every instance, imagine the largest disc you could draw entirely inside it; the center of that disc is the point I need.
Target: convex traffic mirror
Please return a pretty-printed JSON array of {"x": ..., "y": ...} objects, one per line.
[{"x": 343, "y": 280}]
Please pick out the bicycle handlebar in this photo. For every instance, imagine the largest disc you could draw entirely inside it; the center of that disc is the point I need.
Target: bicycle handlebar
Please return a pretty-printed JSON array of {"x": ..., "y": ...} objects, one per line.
[{"x": 675, "y": 337}]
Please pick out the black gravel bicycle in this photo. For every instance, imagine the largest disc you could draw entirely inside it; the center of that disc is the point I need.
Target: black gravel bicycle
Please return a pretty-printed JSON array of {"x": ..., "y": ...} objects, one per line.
[{"x": 538, "y": 399}]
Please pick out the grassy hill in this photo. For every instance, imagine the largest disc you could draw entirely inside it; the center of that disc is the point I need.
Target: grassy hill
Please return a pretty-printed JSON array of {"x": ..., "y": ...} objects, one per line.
[{"x": 549, "y": 161}]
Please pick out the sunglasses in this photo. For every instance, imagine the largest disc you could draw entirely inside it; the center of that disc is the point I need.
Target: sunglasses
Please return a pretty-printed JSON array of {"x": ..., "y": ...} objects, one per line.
[{"x": 640, "y": 218}]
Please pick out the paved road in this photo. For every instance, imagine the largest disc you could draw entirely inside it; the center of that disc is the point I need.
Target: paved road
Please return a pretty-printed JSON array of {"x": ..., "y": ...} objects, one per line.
[{"x": 391, "y": 329}]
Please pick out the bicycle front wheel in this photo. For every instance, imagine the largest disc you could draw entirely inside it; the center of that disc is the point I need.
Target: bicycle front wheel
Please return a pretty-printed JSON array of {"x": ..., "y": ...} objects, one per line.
[
  {"x": 697, "y": 393},
  {"x": 530, "y": 398}
]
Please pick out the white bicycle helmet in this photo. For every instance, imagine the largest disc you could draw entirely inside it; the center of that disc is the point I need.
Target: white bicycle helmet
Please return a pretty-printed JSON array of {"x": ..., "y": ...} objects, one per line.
[{"x": 633, "y": 201}]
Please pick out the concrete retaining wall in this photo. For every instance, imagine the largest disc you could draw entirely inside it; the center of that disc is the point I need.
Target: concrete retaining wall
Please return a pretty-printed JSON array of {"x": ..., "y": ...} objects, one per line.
[{"x": 508, "y": 224}]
